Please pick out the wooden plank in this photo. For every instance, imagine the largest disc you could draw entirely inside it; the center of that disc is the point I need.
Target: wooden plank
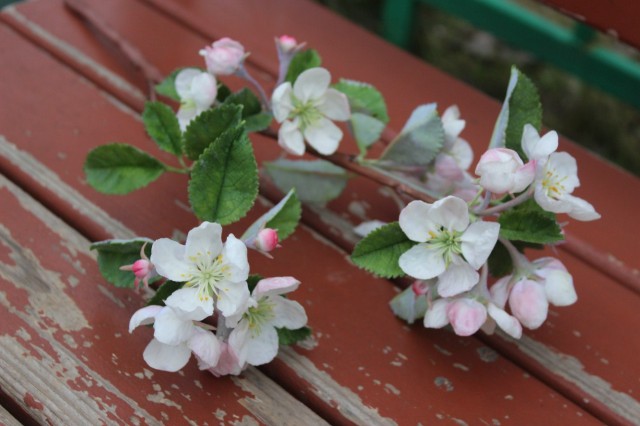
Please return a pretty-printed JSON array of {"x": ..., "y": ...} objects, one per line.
[
  {"x": 356, "y": 371},
  {"x": 6, "y": 419},
  {"x": 65, "y": 353}
]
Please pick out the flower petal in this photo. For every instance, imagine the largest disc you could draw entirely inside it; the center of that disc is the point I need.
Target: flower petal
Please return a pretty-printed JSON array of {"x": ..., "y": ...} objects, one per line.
[
  {"x": 478, "y": 242},
  {"x": 228, "y": 363},
  {"x": 204, "y": 90},
  {"x": 508, "y": 323},
  {"x": 462, "y": 152},
  {"x": 144, "y": 316},
  {"x": 166, "y": 357},
  {"x": 168, "y": 258},
  {"x": 558, "y": 286},
  {"x": 500, "y": 291},
  {"x": 187, "y": 304},
  {"x": 170, "y": 329},
  {"x": 528, "y": 303},
  {"x": 231, "y": 297},
  {"x": 183, "y": 82},
  {"x": 234, "y": 255},
  {"x": 466, "y": 316},
  {"x": 290, "y": 138},
  {"x": 274, "y": 286},
  {"x": 281, "y": 102},
  {"x": 458, "y": 278},
  {"x": 335, "y": 105},
  {"x": 311, "y": 84},
  {"x": 288, "y": 313},
  {"x": 204, "y": 241},
  {"x": 413, "y": 221},
  {"x": 206, "y": 347},
  {"x": 422, "y": 262},
  {"x": 436, "y": 316},
  {"x": 324, "y": 136},
  {"x": 263, "y": 347},
  {"x": 450, "y": 212},
  {"x": 581, "y": 209}
]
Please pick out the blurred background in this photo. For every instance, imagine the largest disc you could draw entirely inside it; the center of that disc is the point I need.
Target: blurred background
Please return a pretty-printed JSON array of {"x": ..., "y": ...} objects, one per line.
[{"x": 598, "y": 120}]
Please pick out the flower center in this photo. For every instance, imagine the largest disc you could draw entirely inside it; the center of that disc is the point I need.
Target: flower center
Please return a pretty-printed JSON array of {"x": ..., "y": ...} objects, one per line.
[
  {"x": 448, "y": 242},
  {"x": 259, "y": 315},
  {"x": 553, "y": 184},
  {"x": 205, "y": 273},
  {"x": 307, "y": 112}
]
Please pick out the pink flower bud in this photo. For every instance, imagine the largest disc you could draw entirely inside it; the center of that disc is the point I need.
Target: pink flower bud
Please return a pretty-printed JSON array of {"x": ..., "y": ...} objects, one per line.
[
  {"x": 528, "y": 303},
  {"x": 501, "y": 170},
  {"x": 419, "y": 287},
  {"x": 286, "y": 44},
  {"x": 466, "y": 316},
  {"x": 223, "y": 57},
  {"x": 141, "y": 268},
  {"x": 227, "y": 363},
  {"x": 267, "y": 240}
]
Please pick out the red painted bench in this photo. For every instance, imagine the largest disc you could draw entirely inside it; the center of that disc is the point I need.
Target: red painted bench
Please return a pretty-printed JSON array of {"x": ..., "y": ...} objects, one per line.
[{"x": 66, "y": 355}]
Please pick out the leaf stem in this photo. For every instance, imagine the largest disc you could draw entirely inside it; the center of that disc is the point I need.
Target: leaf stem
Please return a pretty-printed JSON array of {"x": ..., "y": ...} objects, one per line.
[
  {"x": 243, "y": 73},
  {"x": 509, "y": 204},
  {"x": 172, "y": 169}
]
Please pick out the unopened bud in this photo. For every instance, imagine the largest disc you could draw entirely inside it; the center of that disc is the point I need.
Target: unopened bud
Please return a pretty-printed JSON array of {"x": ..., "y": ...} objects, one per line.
[
  {"x": 286, "y": 44},
  {"x": 266, "y": 240}
]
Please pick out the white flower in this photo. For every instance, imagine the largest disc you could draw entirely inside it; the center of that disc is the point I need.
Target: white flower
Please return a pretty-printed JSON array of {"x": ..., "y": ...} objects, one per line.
[
  {"x": 555, "y": 182},
  {"x": 197, "y": 91},
  {"x": 213, "y": 269},
  {"x": 175, "y": 334},
  {"x": 255, "y": 339},
  {"x": 538, "y": 148},
  {"x": 224, "y": 56},
  {"x": 501, "y": 170},
  {"x": 445, "y": 236},
  {"x": 306, "y": 110},
  {"x": 454, "y": 146}
]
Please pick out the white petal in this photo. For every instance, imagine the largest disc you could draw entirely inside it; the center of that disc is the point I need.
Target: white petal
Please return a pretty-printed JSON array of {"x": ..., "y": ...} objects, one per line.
[
  {"x": 324, "y": 136},
  {"x": 235, "y": 258},
  {"x": 290, "y": 138},
  {"x": 170, "y": 329},
  {"x": 239, "y": 341},
  {"x": 463, "y": 153},
  {"x": 311, "y": 84},
  {"x": 545, "y": 146},
  {"x": 528, "y": 303},
  {"x": 506, "y": 322},
  {"x": 204, "y": 90},
  {"x": 478, "y": 241},
  {"x": 144, "y": 316},
  {"x": 458, "y": 278},
  {"x": 274, "y": 286},
  {"x": 450, "y": 212},
  {"x": 452, "y": 123},
  {"x": 559, "y": 288},
  {"x": 499, "y": 291},
  {"x": 567, "y": 167},
  {"x": 168, "y": 258},
  {"x": 413, "y": 221},
  {"x": 422, "y": 262},
  {"x": 524, "y": 176},
  {"x": 206, "y": 347},
  {"x": 228, "y": 363},
  {"x": 231, "y": 297},
  {"x": 581, "y": 209},
  {"x": 281, "y": 102},
  {"x": 288, "y": 313},
  {"x": 262, "y": 348},
  {"x": 549, "y": 204},
  {"x": 204, "y": 240},
  {"x": 530, "y": 138},
  {"x": 187, "y": 304},
  {"x": 335, "y": 105},
  {"x": 166, "y": 357},
  {"x": 183, "y": 82},
  {"x": 185, "y": 114},
  {"x": 466, "y": 316},
  {"x": 436, "y": 316}
]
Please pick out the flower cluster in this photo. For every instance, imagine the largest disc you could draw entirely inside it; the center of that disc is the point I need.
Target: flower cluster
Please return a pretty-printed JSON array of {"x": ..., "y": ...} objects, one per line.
[{"x": 215, "y": 285}]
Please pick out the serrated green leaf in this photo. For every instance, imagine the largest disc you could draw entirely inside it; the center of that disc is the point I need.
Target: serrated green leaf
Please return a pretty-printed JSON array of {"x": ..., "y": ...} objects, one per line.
[
  {"x": 364, "y": 99},
  {"x": 245, "y": 98},
  {"x": 283, "y": 217},
  {"x": 163, "y": 293},
  {"x": 224, "y": 180},
  {"x": 315, "y": 181},
  {"x": 253, "y": 281},
  {"x": 524, "y": 108},
  {"x": 119, "y": 168},
  {"x": 112, "y": 254},
  {"x": 208, "y": 126},
  {"x": 301, "y": 62},
  {"x": 258, "y": 122},
  {"x": 529, "y": 226},
  {"x": 288, "y": 337},
  {"x": 419, "y": 141},
  {"x": 366, "y": 130},
  {"x": 223, "y": 92},
  {"x": 380, "y": 251},
  {"x": 162, "y": 126}
]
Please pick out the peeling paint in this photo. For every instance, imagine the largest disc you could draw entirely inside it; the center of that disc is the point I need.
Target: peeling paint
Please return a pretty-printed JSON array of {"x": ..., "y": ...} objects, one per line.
[
  {"x": 391, "y": 389},
  {"x": 487, "y": 354},
  {"x": 443, "y": 383}
]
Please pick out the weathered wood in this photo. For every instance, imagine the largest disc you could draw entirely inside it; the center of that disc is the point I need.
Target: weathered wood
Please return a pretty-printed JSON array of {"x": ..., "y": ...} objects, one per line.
[
  {"x": 357, "y": 363},
  {"x": 7, "y": 419}
]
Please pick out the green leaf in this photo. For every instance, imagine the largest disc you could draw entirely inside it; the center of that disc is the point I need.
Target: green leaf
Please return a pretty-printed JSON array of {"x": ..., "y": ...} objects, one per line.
[
  {"x": 283, "y": 217},
  {"x": 288, "y": 337},
  {"x": 529, "y": 226},
  {"x": 168, "y": 86},
  {"x": 500, "y": 262},
  {"x": 524, "y": 108},
  {"x": 301, "y": 62},
  {"x": 208, "y": 126},
  {"x": 245, "y": 98},
  {"x": 163, "y": 293},
  {"x": 366, "y": 130},
  {"x": 112, "y": 254},
  {"x": 120, "y": 168},
  {"x": 258, "y": 122},
  {"x": 364, "y": 99},
  {"x": 380, "y": 251},
  {"x": 315, "y": 181},
  {"x": 224, "y": 180},
  {"x": 223, "y": 92},
  {"x": 163, "y": 127},
  {"x": 253, "y": 281},
  {"x": 419, "y": 141}
]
